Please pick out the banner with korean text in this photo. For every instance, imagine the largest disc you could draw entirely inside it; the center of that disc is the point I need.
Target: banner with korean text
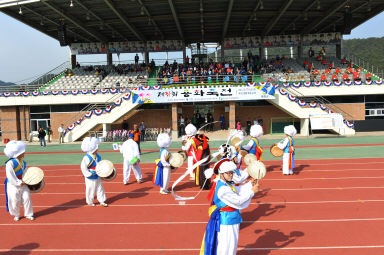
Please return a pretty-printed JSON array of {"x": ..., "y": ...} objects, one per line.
[{"x": 174, "y": 95}]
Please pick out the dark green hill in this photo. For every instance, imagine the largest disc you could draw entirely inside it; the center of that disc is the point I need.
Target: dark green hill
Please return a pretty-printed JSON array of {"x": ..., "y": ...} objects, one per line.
[{"x": 3, "y": 83}]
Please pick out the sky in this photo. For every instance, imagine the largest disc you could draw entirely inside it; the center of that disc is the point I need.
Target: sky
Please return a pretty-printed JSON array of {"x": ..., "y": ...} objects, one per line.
[{"x": 26, "y": 53}]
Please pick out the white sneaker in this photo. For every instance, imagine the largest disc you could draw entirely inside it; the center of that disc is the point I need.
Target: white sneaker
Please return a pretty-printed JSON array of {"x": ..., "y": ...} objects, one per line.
[
  {"x": 30, "y": 218},
  {"x": 139, "y": 181},
  {"x": 104, "y": 204},
  {"x": 163, "y": 192},
  {"x": 16, "y": 219},
  {"x": 91, "y": 204}
]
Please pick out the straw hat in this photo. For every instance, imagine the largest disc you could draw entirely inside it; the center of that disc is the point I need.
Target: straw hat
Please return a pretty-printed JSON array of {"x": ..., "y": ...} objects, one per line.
[
  {"x": 33, "y": 175},
  {"x": 176, "y": 160},
  {"x": 256, "y": 169}
]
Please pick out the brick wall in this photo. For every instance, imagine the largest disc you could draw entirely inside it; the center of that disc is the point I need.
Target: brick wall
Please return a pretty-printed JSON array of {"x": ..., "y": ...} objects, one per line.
[
  {"x": 152, "y": 119},
  {"x": 357, "y": 111},
  {"x": 60, "y": 118},
  {"x": 10, "y": 123},
  {"x": 243, "y": 113}
]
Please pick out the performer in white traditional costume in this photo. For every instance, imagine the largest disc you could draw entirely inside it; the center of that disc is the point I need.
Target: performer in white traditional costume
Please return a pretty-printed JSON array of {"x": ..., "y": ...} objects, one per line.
[
  {"x": 254, "y": 145},
  {"x": 287, "y": 145},
  {"x": 131, "y": 154},
  {"x": 93, "y": 184},
  {"x": 162, "y": 174},
  {"x": 16, "y": 192},
  {"x": 222, "y": 231},
  {"x": 188, "y": 146}
]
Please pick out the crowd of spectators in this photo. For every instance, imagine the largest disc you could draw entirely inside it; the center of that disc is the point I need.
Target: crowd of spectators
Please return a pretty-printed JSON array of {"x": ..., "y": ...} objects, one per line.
[
  {"x": 328, "y": 71},
  {"x": 204, "y": 72}
]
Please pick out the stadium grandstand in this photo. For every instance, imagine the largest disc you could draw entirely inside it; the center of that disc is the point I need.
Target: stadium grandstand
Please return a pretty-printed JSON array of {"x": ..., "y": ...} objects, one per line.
[{"x": 274, "y": 62}]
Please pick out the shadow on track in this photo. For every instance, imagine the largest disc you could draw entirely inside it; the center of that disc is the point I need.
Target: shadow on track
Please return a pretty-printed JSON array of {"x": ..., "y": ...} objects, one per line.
[
  {"x": 271, "y": 239},
  {"x": 22, "y": 249}
]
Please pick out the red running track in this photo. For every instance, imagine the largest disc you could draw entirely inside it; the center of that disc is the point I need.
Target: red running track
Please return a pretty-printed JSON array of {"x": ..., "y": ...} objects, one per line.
[{"x": 328, "y": 207}]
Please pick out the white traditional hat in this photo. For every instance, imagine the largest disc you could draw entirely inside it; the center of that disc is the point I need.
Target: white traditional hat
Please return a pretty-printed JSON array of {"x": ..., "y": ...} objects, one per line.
[
  {"x": 227, "y": 166},
  {"x": 190, "y": 130},
  {"x": 256, "y": 131},
  {"x": 13, "y": 149},
  {"x": 176, "y": 160},
  {"x": 90, "y": 144},
  {"x": 290, "y": 130},
  {"x": 256, "y": 169},
  {"x": 163, "y": 140}
]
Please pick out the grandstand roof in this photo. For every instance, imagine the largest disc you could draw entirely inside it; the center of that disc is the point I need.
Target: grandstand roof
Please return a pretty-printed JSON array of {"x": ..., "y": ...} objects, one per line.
[{"x": 187, "y": 20}]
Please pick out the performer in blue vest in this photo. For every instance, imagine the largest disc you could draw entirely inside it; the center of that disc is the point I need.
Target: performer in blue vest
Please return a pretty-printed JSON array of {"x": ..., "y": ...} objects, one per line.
[
  {"x": 287, "y": 145},
  {"x": 222, "y": 231},
  {"x": 162, "y": 174},
  {"x": 253, "y": 146},
  {"x": 93, "y": 184},
  {"x": 16, "y": 192}
]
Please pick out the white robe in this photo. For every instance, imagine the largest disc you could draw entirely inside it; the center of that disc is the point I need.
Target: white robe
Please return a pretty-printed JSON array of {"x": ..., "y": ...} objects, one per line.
[
  {"x": 166, "y": 170},
  {"x": 130, "y": 149},
  {"x": 228, "y": 236},
  {"x": 92, "y": 186},
  {"x": 282, "y": 146},
  {"x": 187, "y": 148},
  {"x": 17, "y": 193}
]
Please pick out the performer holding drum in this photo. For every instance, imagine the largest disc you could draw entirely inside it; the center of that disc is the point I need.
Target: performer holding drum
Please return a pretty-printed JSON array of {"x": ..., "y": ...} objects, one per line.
[
  {"x": 222, "y": 231},
  {"x": 189, "y": 146},
  {"x": 130, "y": 151},
  {"x": 162, "y": 174},
  {"x": 93, "y": 184},
  {"x": 253, "y": 147},
  {"x": 287, "y": 145},
  {"x": 17, "y": 191}
]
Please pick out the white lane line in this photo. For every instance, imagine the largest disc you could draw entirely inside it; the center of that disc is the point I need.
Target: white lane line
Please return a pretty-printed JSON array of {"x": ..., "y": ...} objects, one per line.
[
  {"x": 205, "y": 191},
  {"x": 266, "y": 179},
  {"x": 159, "y": 250},
  {"x": 183, "y": 222},
  {"x": 206, "y": 204},
  {"x": 271, "y": 172}
]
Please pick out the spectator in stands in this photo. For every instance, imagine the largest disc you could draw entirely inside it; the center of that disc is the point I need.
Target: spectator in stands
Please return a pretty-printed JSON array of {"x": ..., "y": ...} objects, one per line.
[
  {"x": 137, "y": 61},
  {"x": 305, "y": 64},
  {"x": 222, "y": 121},
  {"x": 323, "y": 77},
  {"x": 125, "y": 125},
  {"x": 331, "y": 66},
  {"x": 344, "y": 62},
  {"x": 117, "y": 84},
  {"x": 338, "y": 71},
  {"x": 346, "y": 77},
  {"x": 142, "y": 131},
  {"x": 327, "y": 71},
  {"x": 310, "y": 67},
  {"x": 334, "y": 77},
  {"x": 77, "y": 65},
  {"x": 356, "y": 76},
  {"x": 41, "y": 136},
  {"x": 61, "y": 130},
  {"x": 323, "y": 51},
  {"x": 186, "y": 60},
  {"x": 311, "y": 53},
  {"x": 368, "y": 76},
  {"x": 49, "y": 133}
]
